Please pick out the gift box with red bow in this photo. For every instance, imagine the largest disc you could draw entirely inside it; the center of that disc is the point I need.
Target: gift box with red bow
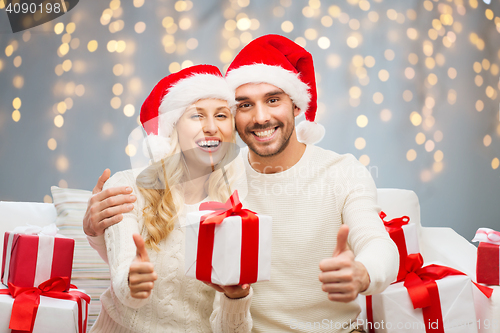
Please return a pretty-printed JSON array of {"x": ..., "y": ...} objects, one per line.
[
  {"x": 43, "y": 309},
  {"x": 228, "y": 245},
  {"x": 32, "y": 255},
  {"x": 404, "y": 234},
  {"x": 488, "y": 256},
  {"x": 433, "y": 298}
]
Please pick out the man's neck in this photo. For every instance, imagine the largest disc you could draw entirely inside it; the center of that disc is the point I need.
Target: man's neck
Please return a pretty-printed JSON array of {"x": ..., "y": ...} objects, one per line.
[{"x": 280, "y": 162}]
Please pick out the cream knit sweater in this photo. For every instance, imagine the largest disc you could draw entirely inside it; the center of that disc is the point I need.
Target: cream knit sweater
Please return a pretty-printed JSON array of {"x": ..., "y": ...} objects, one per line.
[
  {"x": 308, "y": 204},
  {"x": 177, "y": 303}
]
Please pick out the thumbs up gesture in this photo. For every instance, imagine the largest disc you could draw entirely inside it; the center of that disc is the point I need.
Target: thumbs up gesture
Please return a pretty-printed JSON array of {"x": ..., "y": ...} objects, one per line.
[
  {"x": 343, "y": 277},
  {"x": 141, "y": 275}
]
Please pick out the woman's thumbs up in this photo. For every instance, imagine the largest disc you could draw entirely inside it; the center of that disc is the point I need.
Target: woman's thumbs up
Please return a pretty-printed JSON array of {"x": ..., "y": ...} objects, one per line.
[{"x": 141, "y": 274}]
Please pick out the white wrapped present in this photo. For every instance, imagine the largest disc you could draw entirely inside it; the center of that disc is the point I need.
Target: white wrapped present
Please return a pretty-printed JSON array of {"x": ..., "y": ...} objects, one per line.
[
  {"x": 228, "y": 245},
  {"x": 67, "y": 314},
  {"x": 433, "y": 298}
]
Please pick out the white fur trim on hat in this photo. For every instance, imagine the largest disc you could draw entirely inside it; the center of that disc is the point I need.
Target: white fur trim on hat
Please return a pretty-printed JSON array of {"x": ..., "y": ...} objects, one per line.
[
  {"x": 167, "y": 121},
  {"x": 159, "y": 147},
  {"x": 191, "y": 89},
  {"x": 188, "y": 91},
  {"x": 309, "y": 132},
  {"x": 286, "y": 80}
]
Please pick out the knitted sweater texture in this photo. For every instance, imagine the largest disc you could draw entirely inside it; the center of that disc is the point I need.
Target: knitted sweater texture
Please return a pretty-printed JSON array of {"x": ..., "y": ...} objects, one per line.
[
  {"x": 177, "y": 303},
  {"x": 308, "y": 203}
]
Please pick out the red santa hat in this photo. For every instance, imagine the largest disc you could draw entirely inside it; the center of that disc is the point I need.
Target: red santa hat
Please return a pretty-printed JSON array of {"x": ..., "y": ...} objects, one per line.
[
  {"x": 277, "y": 60},
  {"x": 172, "y": 95}
]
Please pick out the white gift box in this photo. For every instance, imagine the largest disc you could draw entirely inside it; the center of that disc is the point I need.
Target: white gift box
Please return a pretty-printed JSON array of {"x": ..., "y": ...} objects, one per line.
[
  {"x": 444, "y": 245},
  {"x": 393, "y": 309},
  {"x": 411, "y": 239},
  {"x": 410, "y": 231},
  {"x": 226, "y": 260},
  {"x": 53, "y": 315}
]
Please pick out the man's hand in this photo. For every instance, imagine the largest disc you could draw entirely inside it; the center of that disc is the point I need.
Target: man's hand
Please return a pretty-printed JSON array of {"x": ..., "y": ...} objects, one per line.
[
  {"x": 105, "y": 208},
  {"x": 343, "y": 278},
  {"x": 141, "y": 275},
  {"x": 232, "y": 291}
]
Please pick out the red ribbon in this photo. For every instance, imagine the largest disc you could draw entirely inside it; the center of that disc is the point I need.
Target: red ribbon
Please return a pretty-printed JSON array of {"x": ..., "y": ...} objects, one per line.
[
  {"x": 423, "y": 291},
  {"x": 27, "y": 300},
  {"x": 249, "y": 241},
  {"x": 369, "y": 314},
  {"x": 418, "y": 274},
  {"x": 395, "y": 223},
  {"x": 394, "y": 228}
]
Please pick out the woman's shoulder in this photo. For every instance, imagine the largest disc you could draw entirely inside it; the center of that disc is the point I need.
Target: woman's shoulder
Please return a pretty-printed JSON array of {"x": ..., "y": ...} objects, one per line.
[{"x": 121, "y": 178}]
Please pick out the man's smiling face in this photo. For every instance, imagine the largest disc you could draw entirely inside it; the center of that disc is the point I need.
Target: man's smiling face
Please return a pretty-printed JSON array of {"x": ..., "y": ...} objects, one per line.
[{"x": 265, "y": 118}]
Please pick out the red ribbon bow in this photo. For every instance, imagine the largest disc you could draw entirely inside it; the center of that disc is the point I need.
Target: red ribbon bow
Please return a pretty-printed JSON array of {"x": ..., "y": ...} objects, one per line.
[
  {"x": 395, "y": 223},
  {"x": 423, "y": 291},
  {"x": 249, "y": 239},
  {"x": 418, "y": 278},
  {"x": 233, "y": 206},
  {"x": 27, "y": 300}
]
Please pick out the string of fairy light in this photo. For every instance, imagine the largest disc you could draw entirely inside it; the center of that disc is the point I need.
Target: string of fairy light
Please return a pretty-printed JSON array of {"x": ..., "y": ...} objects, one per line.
[
  {"x": 241, "y": 26},
  {"x": 444, "y": 29}
]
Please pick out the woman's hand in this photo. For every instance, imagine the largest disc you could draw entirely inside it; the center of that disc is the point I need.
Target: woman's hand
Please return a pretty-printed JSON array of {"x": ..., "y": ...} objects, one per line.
[
  {"x": 238, "y": 291},
  {"x": 141, "y": 275}
]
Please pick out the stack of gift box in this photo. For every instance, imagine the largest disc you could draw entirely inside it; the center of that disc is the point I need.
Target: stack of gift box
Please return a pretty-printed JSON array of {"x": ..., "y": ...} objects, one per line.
[
  {"x": 432, "y": 297},
  {"x": 428, "y": 297},
  {"x": 425, "y": 297},
  {"x": 37, "y": 294}
]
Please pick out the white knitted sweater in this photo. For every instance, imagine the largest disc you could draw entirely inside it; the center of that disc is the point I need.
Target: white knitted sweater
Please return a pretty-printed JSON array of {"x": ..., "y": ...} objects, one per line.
[
  {"x": 308, "y": 203},
  {"x": 177, "y": 303}
]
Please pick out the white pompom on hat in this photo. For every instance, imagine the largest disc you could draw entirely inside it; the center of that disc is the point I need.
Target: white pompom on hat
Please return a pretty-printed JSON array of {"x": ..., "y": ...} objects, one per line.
[
  {"x": 277, "y": 60},
  {"x": 170, "y": 98}
]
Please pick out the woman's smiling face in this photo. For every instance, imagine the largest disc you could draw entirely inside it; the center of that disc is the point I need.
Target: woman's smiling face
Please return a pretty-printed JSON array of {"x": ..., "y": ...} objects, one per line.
[{"x": 202, "y": 129}]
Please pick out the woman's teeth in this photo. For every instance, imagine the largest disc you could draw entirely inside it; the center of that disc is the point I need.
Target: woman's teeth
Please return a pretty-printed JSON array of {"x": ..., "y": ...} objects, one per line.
[
  {"x": 264, "y": 134},
  {"x": 209, "y": 143}
]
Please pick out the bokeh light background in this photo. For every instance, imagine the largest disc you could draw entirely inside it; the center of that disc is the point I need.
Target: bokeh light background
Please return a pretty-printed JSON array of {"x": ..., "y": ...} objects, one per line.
[{"x": 409, "y": 87}]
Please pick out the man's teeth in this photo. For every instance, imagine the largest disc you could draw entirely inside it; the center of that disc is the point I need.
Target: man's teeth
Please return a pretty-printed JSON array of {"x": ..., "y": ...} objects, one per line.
[
  {"x": 209, "y": 143},
  {"x": 264, "y": 134}
]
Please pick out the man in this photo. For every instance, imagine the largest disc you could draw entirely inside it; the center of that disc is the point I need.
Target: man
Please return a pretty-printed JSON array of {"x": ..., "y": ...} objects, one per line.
[{"x": 325, "y": 216}]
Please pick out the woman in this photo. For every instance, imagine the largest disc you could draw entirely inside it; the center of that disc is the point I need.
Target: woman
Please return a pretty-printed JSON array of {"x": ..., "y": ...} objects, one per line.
[{"x": 189, "y": 119}]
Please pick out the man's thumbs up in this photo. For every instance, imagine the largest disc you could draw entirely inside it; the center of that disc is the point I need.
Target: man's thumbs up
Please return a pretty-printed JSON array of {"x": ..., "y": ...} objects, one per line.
[
  {"x": 341, "y": 240},
  {"x": 141, "y": 274},
  {"x": 343, "y": 277}
]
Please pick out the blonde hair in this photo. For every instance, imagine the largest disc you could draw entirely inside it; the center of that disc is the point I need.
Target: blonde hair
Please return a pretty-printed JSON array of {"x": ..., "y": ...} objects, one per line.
[{"x": 165, "y": 199}]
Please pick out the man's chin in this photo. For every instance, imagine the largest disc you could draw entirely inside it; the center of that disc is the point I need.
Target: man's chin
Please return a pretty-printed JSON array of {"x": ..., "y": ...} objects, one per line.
[
  {"x": 272, "y": 149},
  {"x": 263, "y": 151}
]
